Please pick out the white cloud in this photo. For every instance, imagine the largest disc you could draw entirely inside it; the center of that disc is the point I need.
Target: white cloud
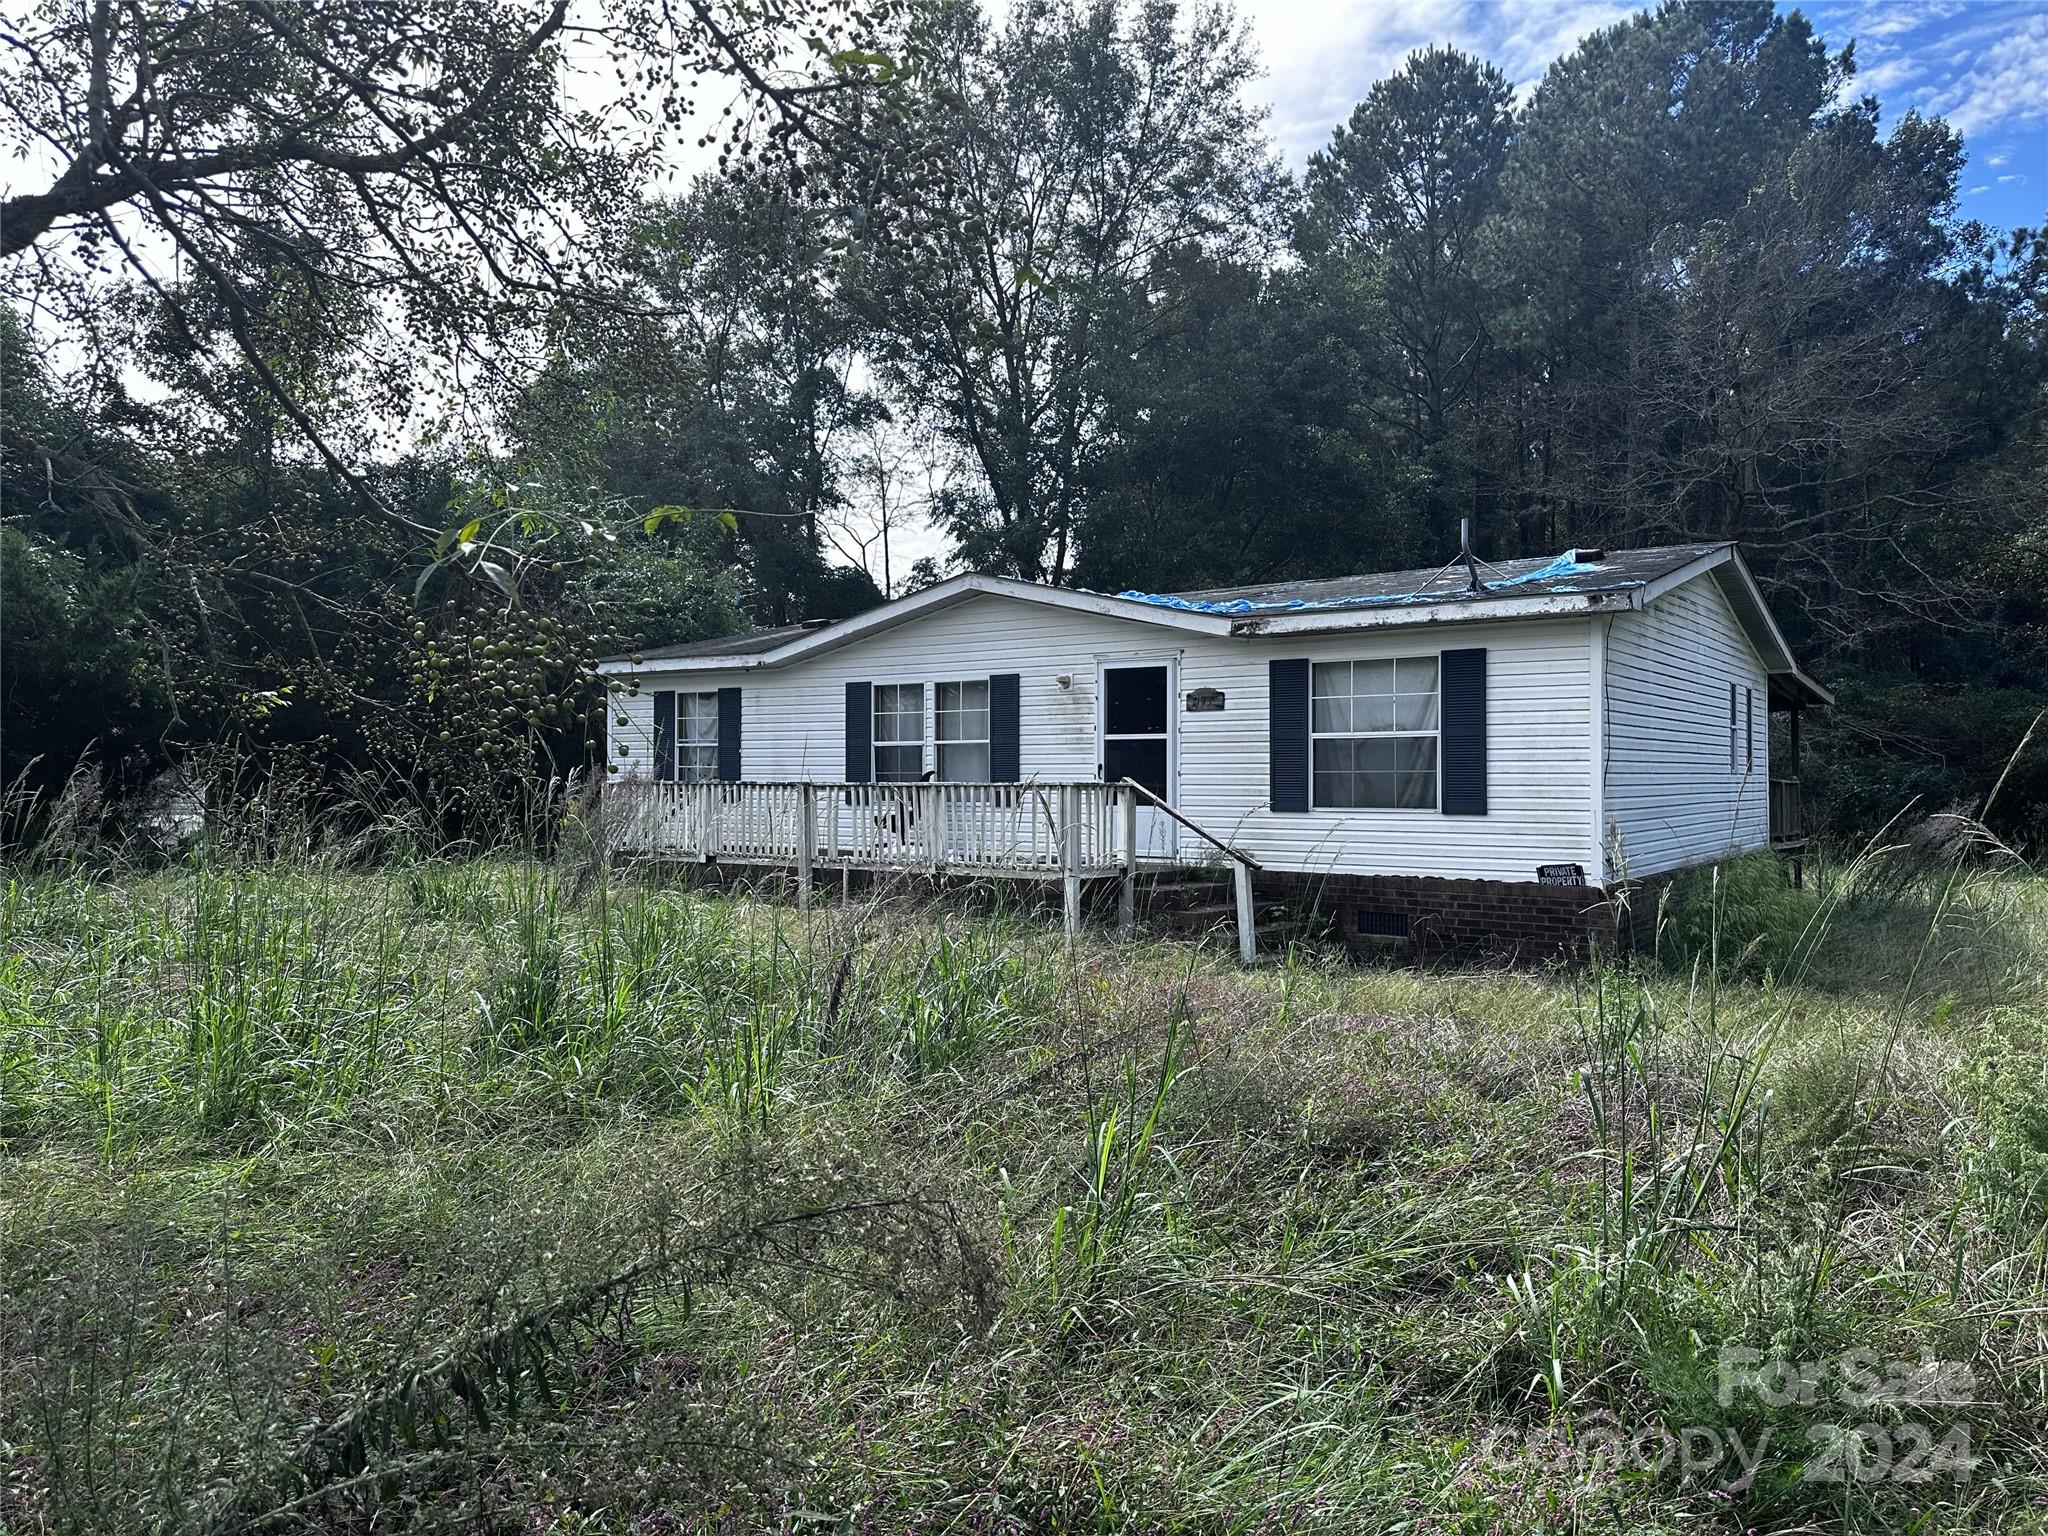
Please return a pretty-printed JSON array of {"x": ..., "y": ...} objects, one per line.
[
  {"x": 1881, "y": 78},
  {"x": 1887, "y": 21},
  {"x": 2008, "y": 180},
  {"x": 1973, "y": 191},
  {"x": 1322, "y": 56},
  {"x": 2000, "y": 77},
  {"x": 1539, "y": 32}
]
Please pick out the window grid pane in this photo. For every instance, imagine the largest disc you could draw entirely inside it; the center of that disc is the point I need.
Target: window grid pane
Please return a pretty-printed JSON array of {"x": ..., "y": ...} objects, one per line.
[
  {"x": 960, "y": 724},
  {"x": 964, "y": 762},
  {"x": 899, "y": 733},
  {"x": 1373, "y": 726},
  {"x": 696, "y": 737},
  {"x": 899, "y": 765},
  {"x": 962, "y": 711},
  {"x": 697, "y": 718},
  {"x": 899, "y": 712}
]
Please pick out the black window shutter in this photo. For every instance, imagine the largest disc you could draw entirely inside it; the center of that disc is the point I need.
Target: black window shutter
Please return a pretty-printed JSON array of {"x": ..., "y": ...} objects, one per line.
[
  {"x": 1005, "y": 748},
  {"x": 1287, "y": 723},
  {"x": 664, "y": 733},
  {"x": 1463, "y": 708},
  {"x": 728, "y": 733},
  {"x": 860, "y": 733}
]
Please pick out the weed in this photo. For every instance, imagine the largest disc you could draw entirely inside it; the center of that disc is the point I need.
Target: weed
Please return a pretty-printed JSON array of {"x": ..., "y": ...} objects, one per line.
[
  {"x": 522, "y": 1194},
  {"x": 1745, "y": 917}
]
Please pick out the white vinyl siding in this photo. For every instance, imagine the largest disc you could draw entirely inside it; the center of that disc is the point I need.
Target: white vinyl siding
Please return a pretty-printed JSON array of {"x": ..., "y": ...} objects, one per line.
[
  {"x": 1540, "y": 795},
  {"x": 1687, "y": 762},
  {"x": 1539, "y": 764}
]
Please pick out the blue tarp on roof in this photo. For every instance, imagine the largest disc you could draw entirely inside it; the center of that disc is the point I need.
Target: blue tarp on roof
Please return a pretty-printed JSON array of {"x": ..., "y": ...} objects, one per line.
[{"x": 1565, "y": 565}]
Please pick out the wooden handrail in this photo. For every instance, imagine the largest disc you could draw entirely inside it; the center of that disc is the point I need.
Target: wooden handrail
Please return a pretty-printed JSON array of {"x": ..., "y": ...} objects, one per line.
[
  {"x": 1043, "y": 793},
  {"x": 1193, "y": 826}
]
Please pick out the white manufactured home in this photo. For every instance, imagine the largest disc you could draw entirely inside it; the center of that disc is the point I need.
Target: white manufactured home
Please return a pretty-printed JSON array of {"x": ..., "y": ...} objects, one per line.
[{"x": 1480, "y": 750}]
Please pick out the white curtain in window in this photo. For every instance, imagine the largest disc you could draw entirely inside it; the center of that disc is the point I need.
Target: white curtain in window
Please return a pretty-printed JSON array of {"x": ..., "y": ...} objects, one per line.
[{"x": 962, "y": 726}]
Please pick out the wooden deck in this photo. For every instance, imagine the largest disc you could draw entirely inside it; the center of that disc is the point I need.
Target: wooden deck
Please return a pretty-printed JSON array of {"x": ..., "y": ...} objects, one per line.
[
  {"x": 1030, "y": 830},
  {"x": 1065, "y": 831}
]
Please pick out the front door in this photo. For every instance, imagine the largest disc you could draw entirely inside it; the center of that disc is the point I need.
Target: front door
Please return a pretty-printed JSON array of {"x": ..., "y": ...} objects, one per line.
[{"x": 1135, "y": 736}]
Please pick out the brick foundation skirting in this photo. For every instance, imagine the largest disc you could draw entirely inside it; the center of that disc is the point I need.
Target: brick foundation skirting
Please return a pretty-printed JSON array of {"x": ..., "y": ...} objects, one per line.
[{"x": 1491, "y": 919}]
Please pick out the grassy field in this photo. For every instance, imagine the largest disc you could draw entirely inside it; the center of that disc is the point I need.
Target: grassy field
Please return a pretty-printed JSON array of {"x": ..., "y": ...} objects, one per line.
[{"x": 530, "y": 1197}]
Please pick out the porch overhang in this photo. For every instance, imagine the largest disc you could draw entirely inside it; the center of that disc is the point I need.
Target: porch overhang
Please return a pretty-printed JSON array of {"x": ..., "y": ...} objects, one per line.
[{"x": 1793, "y": 690}]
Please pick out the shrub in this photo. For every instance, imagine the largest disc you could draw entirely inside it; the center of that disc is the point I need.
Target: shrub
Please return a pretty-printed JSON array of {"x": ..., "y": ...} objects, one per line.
[{"x": 1746, "y": 913}]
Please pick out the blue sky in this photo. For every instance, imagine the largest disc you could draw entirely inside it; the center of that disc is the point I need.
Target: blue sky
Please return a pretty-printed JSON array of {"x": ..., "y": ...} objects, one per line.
[{"x": 1980, "y": 64}]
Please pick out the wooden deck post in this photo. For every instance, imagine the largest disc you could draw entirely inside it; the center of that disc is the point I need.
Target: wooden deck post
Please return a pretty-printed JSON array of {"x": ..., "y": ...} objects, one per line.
[
  {"x": 806, "y": 839},
  {"x": 1127, "y": 899},
  {"x": 1070, "y": 855},
  {"x": 1247, "y": 935}
]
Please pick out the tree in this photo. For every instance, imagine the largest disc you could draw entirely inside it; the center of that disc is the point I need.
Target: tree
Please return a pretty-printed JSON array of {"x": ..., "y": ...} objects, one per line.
[
  {"x": 1084, "y": 144},
  {"x": 1797, "y": 385},
  {"x": 426, "y": 169},
  {"x": 1403, "y": 192},
  {"x": 328, "y": 234},
  {"x": 1232, "y": 455},
  {"x": 1656, "y": 125},
  {"x": 724, "y": 380}
]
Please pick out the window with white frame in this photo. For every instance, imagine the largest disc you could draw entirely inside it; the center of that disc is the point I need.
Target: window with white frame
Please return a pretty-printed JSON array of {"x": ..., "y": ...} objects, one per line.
[
  {"x": 899, "y": 733},
  {"x": 960, "y": 717},
  {"x": 696, "y": 737},
  {"x": 1373, "y": 734}
]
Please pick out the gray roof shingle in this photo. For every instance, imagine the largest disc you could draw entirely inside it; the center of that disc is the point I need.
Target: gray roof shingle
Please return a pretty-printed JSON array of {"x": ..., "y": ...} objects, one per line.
[
  {"x": 1574, "y": 571},
  {"x": 748, "y": 643}
]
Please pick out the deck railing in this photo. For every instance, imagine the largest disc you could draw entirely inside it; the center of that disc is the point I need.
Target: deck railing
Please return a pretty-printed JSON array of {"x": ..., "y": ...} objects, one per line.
[
  {"x": 1070, "y": 832},
  {"x": 1788, "y": 817},
  {"x": 979, "y": 829}
]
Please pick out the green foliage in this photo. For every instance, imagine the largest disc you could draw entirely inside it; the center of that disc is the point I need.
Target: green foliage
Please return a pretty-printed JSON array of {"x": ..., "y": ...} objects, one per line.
[
  {"x": 1689, "y": 289},
  {"x": 1744, "y": 915},
  {"x": 1122, "y": 1158},
  {"x": 2008, "y": 1166},
  {"x": 1936, "y": 748},
  {"x": 722, "y": 387},
  {"x": 974, "y": 993},
  {"x": 783, "y": 1217}
]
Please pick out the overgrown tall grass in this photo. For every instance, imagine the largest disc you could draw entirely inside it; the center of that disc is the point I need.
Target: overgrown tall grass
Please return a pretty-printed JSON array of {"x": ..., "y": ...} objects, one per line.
[{"x": 523, "y": 1194}]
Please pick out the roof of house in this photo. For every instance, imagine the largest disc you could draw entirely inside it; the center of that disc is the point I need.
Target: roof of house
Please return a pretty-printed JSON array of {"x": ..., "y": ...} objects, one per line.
[
  {"x": 752, "y": 642},
  {"x": 1576, "y": 581},
  {"x": 1574, "y": 571}
]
